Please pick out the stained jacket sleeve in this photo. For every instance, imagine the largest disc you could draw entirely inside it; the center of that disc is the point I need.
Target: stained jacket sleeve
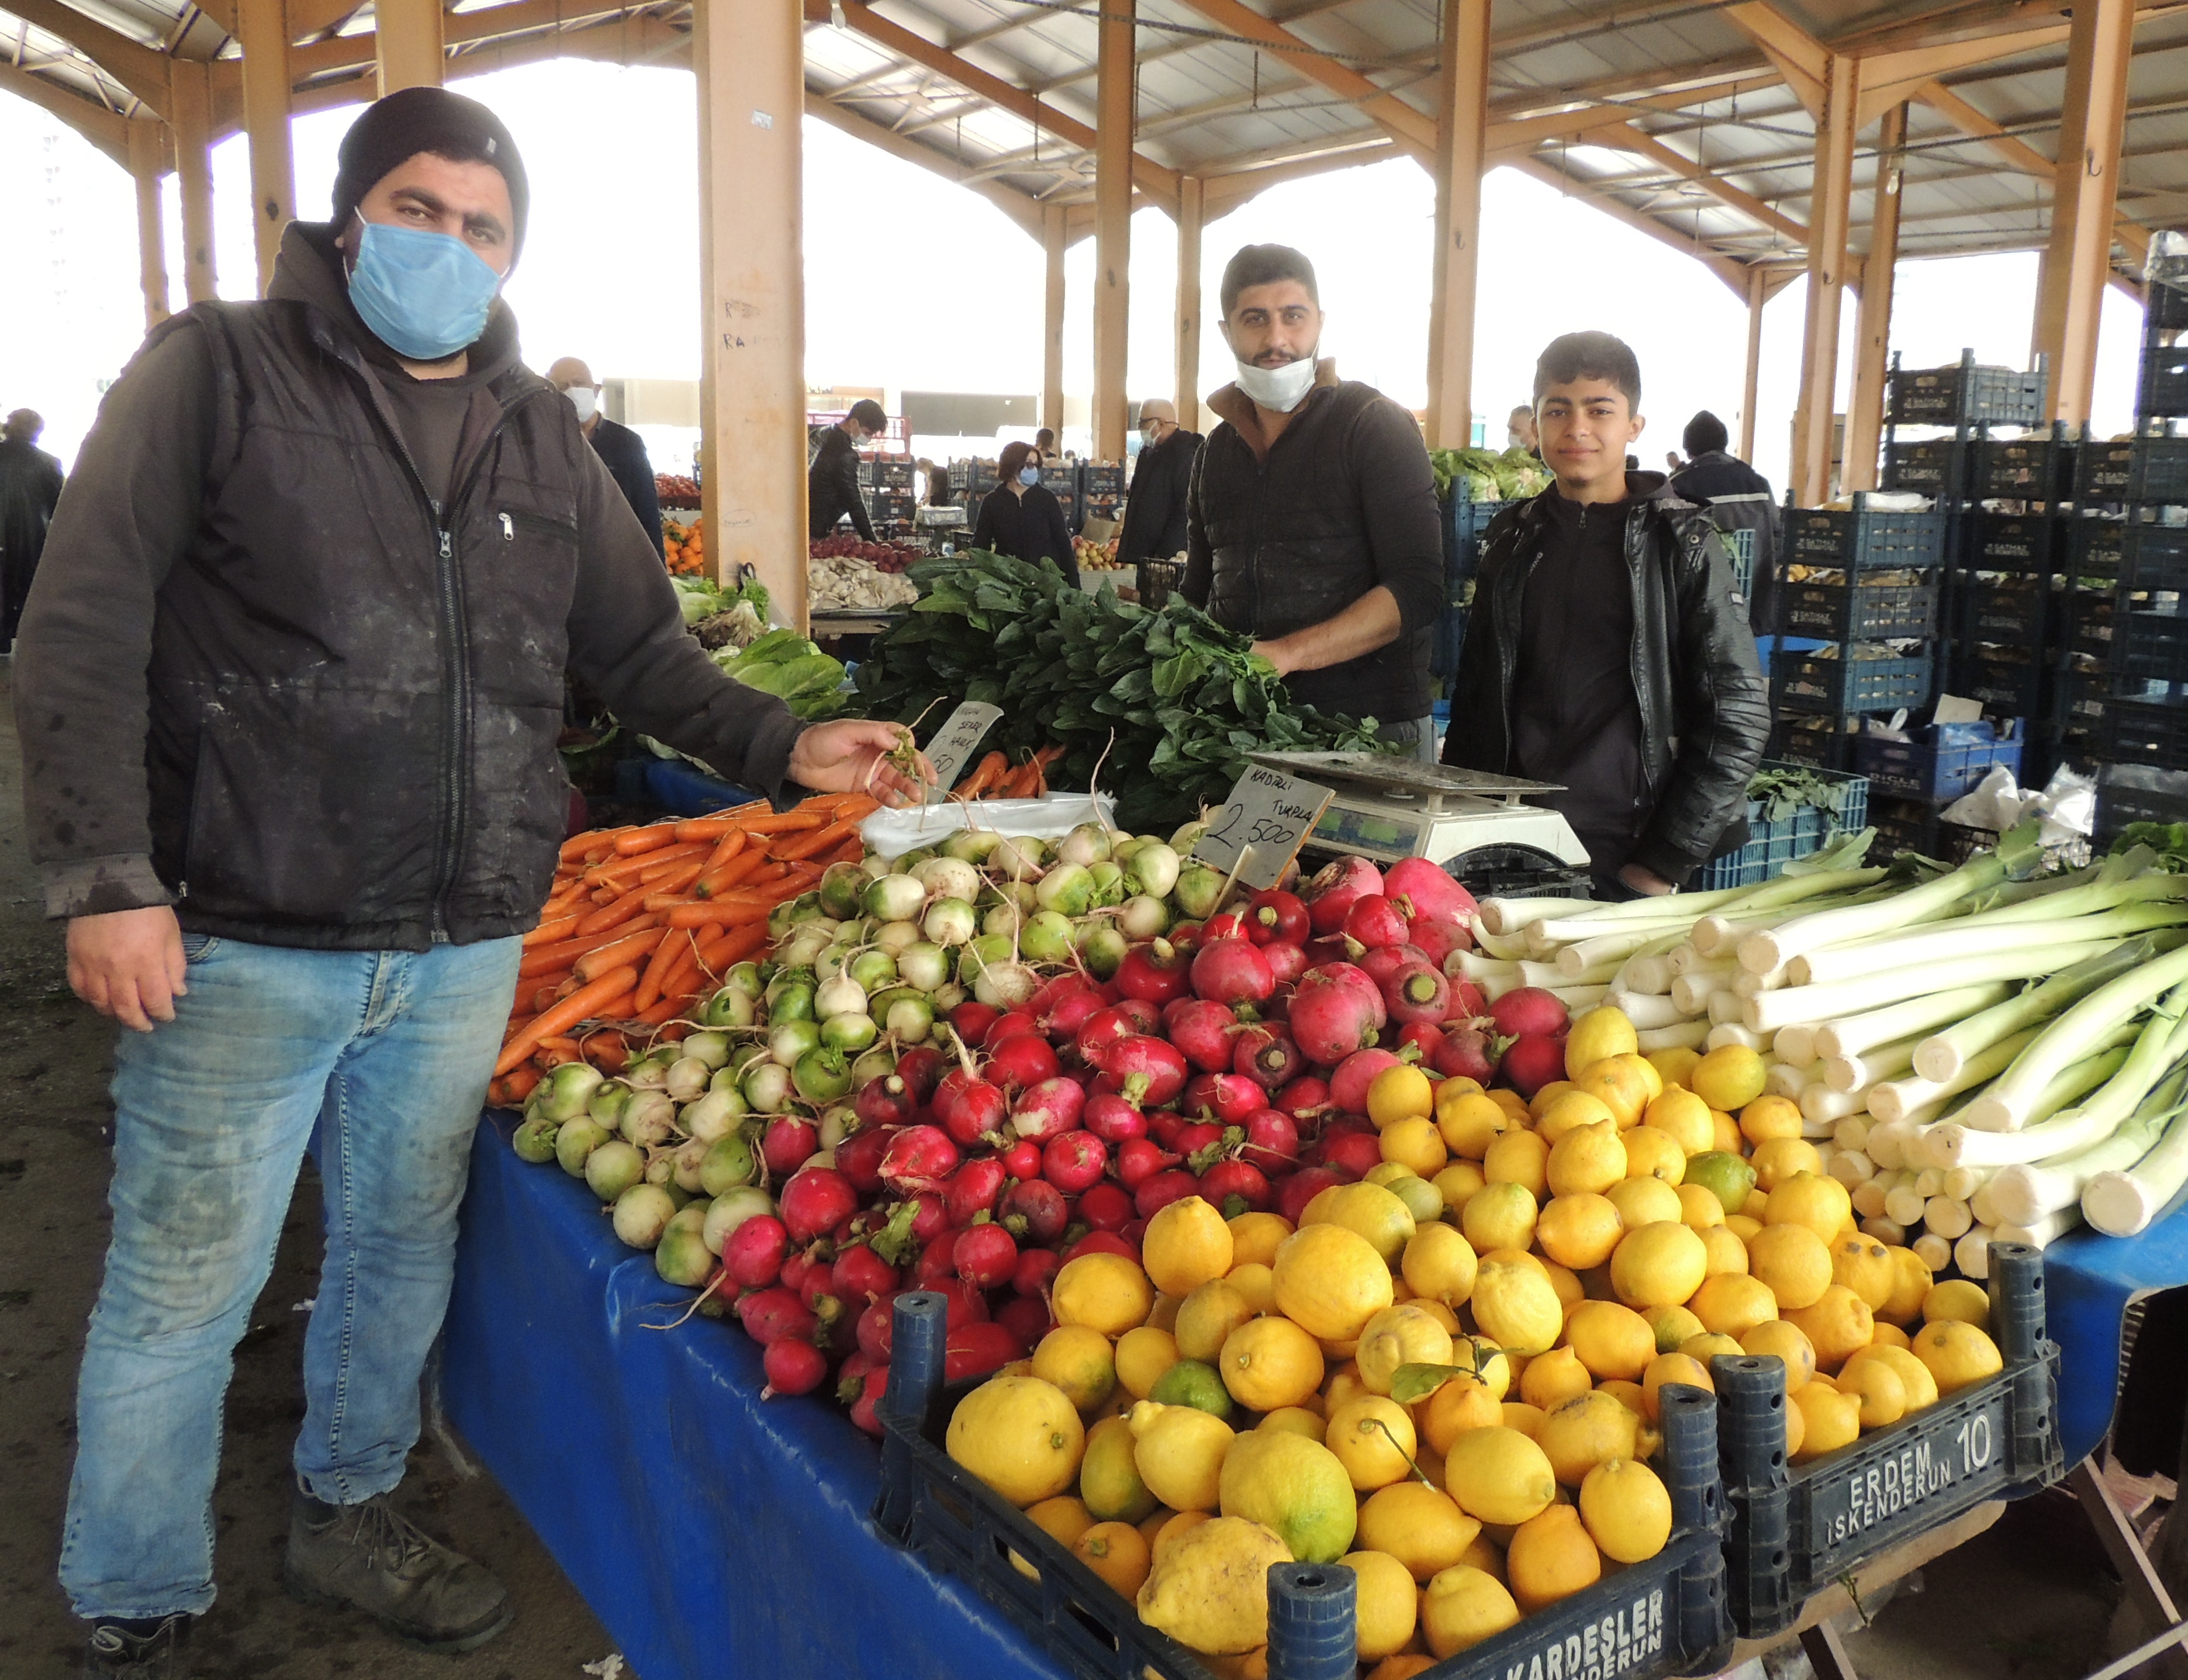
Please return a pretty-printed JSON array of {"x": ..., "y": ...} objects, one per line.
[
  {"x": 1398, "y": 499},
  {"x": 83, "y": 653}
]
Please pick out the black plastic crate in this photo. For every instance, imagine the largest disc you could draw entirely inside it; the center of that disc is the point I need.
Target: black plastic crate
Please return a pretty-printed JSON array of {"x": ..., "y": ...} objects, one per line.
[
  {"x": 1851, "y": 609},
  {"x": 1913, "y": 826},
  {"x": 2154, "y": 557},
  {"x": 2008, "y": 686},
  {"x": 2132, "y": 793},
  {"x": 2145, "y": 731},
  {"x": 1820, "y": 742},
  {"x": 2159, "y": 472},
  {"x": 1667, "y": 1615},
  {"x": 1801, "y": 683},
  {"x": 1796, "y": 1529},
  {"x": 1964, "y": 392},
  {"x": 1929, "y": 466},
  {"x": 1949, "y": 760},
  {"x": 1517, "y": 872},
  {"x": 2150, "y": 644},
  {"x": 2012, "y": 614},
  {"x": 2013, "y": 541},
  {"x": 2094, "y": 547},
  {"x": 2161, "y": 391},
  {"x": 2104, "y": 470},
  {"x": 1866, "y": 538},
  {"x": 2023, "y": 469},
  {"x": 2166, "y": 310},
  {"x": 2082, "y": 624}
]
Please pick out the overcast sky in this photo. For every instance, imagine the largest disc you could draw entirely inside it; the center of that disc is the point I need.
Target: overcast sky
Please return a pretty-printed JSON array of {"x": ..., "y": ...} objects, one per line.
[{"x": 914, "y": 284}]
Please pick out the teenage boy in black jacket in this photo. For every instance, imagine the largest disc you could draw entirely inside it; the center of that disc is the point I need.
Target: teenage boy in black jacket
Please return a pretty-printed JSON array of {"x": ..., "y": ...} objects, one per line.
[
  {"x": 1606, "y": 649},
  {"x": 831, "y": 483}
]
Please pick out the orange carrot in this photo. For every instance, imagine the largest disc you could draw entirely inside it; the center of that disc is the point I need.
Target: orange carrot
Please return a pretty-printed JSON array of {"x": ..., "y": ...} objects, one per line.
[
  {"x": 744, "y": 942},
  {"x": 674, "y": 877},
  {"x": 578, "y": 844},
  {"x": 633, "y": 841},
  {"x": 614, "y": 911},
  {"x": 708, "y": 914},
  {"x": 587, "y": 1000},
  {"x": 594, "y": 964},
  {"x": 854, "y": 807},
  {"x": 668, "y": 956},
  {"x": 560, "y": 956},
  {"x": 667, "y": 1010},
  {"x": 547, "y": 932},
  {"x": 622, "y": 872},
  {"x": 718, "y": 880},
  {"x": 817, "y": 840},
  {"x": 720, "y": 825},
  {"x": 725, "y": 849},
  {"x": 787, "y": 822}
]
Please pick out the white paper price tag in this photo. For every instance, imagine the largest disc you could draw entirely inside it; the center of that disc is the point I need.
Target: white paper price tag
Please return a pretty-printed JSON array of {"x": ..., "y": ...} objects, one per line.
[
  {"x": 953, "y": 745},
  {"x": 1262, "y": 825}
]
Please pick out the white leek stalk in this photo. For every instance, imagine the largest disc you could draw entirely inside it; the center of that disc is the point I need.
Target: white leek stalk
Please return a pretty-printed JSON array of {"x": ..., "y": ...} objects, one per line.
[
  {"x": 1932, "y": 1251},
  {"x": 1850, "y": 1034},
  {"x": 1765, "y": 948},
  {"x": 1939, "y": 1056},
  {"x": 1964, "y": 938},
  {"x": 1893, "y": 1098},
  {"x": 2124, "y": 1201},
  {"x": 1888, "y": 1232},
  {"x": 1872, "y": 1067},
  {"x": 1971, "y": 1254},
  {"x": 1679, "y": 1035},
  {"x": 1825, "y": 1003},
  {"x": 1644, "y": 1010},
  {"x": 1959, "y": 1143},
  {"x": 2007, "y": 1105}
]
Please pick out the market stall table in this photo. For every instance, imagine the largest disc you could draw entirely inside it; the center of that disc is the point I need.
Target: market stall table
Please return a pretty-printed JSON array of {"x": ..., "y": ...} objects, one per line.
[
  {"x": 712, "y": 1532},
  {"x": 2091, "y": 1280}
]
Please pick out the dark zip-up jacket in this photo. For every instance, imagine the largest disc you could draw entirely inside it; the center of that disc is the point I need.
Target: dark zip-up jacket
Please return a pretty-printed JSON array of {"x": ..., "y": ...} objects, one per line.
[
  {"x": 265, "y": 677},
  {"x": 1028, "y": 527},
  {"x": 831, "y": 486},
  {"x": 1739, "y": 498},
  {"x": 1155, "y": 526},
  {"x": 1704, "y": 709},
  {"x": 622, "y": 451}
]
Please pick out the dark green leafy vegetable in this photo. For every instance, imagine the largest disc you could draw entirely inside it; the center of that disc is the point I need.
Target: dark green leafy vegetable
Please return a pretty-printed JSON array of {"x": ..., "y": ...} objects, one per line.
[
  {"x": 1785, "y": 791},
  {"x": 1186, "y": 699},
  {"x": 2170, "y": 840}
]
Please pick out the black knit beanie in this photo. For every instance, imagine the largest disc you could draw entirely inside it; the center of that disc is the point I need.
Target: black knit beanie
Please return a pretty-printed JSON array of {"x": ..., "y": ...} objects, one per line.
[{"x": 414, "y": 120}]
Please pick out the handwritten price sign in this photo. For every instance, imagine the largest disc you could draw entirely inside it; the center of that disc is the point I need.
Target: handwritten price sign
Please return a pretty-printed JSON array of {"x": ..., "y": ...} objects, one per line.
[
  {"x": 1262, "y": 825},
  {"x": 953, "y": 745}
]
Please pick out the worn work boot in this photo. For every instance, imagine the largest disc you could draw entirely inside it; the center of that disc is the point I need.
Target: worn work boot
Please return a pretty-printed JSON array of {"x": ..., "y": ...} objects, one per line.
[
  {"x": 371, "y": 1557},
  {"x": 152, "y": 1649}
]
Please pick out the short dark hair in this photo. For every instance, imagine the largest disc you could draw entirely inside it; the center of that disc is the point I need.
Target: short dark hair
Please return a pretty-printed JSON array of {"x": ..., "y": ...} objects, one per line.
[
  {"x": 870, "y": 414},
  {"x": 1012, "y": 460},
  {"x": 1045, "y": 439},
  {"x": 1262, "y": 265},
  {"x": 1589, "y": 355},
  {"x": 1705, "y": 433}
]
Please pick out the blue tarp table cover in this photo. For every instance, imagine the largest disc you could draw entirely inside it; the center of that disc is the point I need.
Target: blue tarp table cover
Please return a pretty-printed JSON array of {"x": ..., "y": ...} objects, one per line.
[
  {"x": 714, "y": 1533},
  {"x": 2088, "y": 1280}
]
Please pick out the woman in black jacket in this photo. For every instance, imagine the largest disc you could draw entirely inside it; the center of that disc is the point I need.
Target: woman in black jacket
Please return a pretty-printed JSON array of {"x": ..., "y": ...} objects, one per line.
[{"x": 1022, "y": 519}]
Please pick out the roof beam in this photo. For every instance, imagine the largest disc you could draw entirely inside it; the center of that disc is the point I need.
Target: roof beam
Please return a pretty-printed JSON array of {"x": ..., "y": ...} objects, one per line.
[
  {"x": 1800, "y": 58},
  {"x": 1224, "y": 194},
  {"x": 1887, "y": 79},
  {"x": 101, "y": 126},
  {"x": 1013, "y": 204},
  {"x": 142, "y": 70},
  {"x": 1733, "y": 274},
  {"x": 1626, "y": 137}
]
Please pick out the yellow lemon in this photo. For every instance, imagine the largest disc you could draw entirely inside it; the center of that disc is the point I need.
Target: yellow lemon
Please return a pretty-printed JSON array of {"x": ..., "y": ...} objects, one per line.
[
  {"x": 1179, "y": 1451},
  {"x": 1552, "y": 1377},
  {"x": 1674, "y": 1066},
  {"x": 1811, "y": 1198},
  {"x": 1341, "y": 1387},
  {"x": 1081, "y": 1361},
  {"x": 1439, "y": 1264},
  {"x": 1498, "y": 1475},
  {"x": 1646, "y": 1201},
  {"x": 1770, "y": 1117},
  {"x": 1601, "y": 1032},
  {"x": 1658, "y": 1264},
  {"x": 1372, "y": 1437},
  {"x": 1587, "y": 1159},
  {"x": 1864, "y": 1266},
  {"x": 1784, "y": 1157},
  {"x": 1404, "y": 1334},
  {"x": 1786, "y": 1342},
  {"x": 1570, "y": 1110},
  {"x": 1878, "y": 1387},
  {"x": 1499, "y": 1216},
  {"x": 1890, "y": 1336},
  {"x": 1674, "y": 1326},
  {"x": 1587, "y": 1431},
  {"x": 1330, "y": 1281},
  {"x": 1118, "y": 1553},
  {"x": 1627, "y": 1085},
  {"x": 1400, "y": 1093},
  {"x": 1910, "y": 1285},
  {"x": 1254, "y": 1236},
  {"x": 1828, "y": 1421},
  {"x": 1461, "y": 1404},
  {"x": 1516, "y": 1305},
  {"x": 1796, "y": 1429},
  {"x": 1837, "y": 1325},
  {"x": 1295, "y": 1420},
  {"x": 1958, "y": 1299},
  {"x": 1628, "y": 1395},
  {"x": 1270, "y": 1363},
  {"x": 1142, "y": 1356},
  {"x": 1727, "y": 1253},
  {"x": 1610, "y": 1340},
  {"x": 1208, "y": 1590},
  {"x": 1684, "y": 1118},
  {"x": 1256, "y": 1284},
  {"x": 1523, "y": 1417},
  {"x": 1020, "y": 1435},
  {"x": 1415, "y": 1142},
  {"x": 1169, "y": 1527},
  {"x": 1729, "y": 1078},
  {"x": 1406, "y": 1666},
  {"x": 1792, "y": 1261},
  {"x": 1627, "y": 1510},
  {"x": 1708, "y": 1345},
  {"x": 1187, "y": 1245},
  {"x": 1731, "y": 1304},
  {"x": 1487, "y": 1360},
  {"x": 1109, "y": 1479},
  {"x": 1725, "y": 1134},
  {"x": 1104, "y": 1292},
  {"x": 1957, "y": 1353},
  {"x": 1520, "y": 1158},
  {"x": 1700, "y": 1207},
  {"x": 1461, "y": 1607},
  {"x": 1456, "y": 1184},
  {"x": 1511, "y": 1102},
  {"x": 1916, "y": 1381},
  {"x": 1386, "y": 1604},
  {"x": 1374, "y": 1213},
  {"x": 1294, "y": 1486},
  {"x": 1063, "y": 1518},
  {"x": 1539, "y": 1104},
  {"x": 1551, "y": 1558},
  {"x": 1206, "y": 1318},
  {"x": 1469, "y": 1121},
  {"x": 1427, "y": 1304},
  {"x": 1579, "y": 1230},
  {"x": 1671, "y": 1367},
  {"x": 1421, "y": 1527},
  {"x": 1163, "y": 1315},
  {"x": 1652, "y": 1152}
]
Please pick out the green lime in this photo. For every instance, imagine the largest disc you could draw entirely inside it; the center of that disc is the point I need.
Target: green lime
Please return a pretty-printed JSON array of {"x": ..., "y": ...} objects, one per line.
[
  {"x": 1190, "y": 1383},
  {"x": 1723, "y": 1175},
  {"x": 1296, "y": 1486}
]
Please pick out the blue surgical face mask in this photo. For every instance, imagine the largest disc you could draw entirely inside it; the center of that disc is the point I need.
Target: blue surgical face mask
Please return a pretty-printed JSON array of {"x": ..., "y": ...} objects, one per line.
[
  {"x": 1029, "y": 474},
  {"x": 426, "y": 296}
]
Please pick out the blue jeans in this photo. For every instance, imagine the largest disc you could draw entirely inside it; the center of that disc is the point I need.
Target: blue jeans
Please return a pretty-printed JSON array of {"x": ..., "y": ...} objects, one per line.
[{"x": 387, "y": 1054}]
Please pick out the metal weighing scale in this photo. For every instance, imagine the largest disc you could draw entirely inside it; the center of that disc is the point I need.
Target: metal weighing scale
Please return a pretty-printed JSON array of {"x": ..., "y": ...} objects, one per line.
[{"x": 1387, "y": 807}]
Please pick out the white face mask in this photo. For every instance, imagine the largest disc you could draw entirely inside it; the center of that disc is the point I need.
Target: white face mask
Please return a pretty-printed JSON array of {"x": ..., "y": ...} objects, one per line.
[
  {"x": 585, "y": 400},
  {"x": 1280, "y": 390}
]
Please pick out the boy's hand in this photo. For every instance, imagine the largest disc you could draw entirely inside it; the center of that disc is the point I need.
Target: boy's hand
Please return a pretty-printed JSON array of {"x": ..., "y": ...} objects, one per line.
[
  {"x": 851, "y": 756},
  {"x": 129, "y": 964},
  {"x": 1645, "y": 881}
]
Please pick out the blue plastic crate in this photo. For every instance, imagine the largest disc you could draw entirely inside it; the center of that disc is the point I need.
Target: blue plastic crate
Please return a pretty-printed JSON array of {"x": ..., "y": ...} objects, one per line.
[
  {"x": 1772, "y": 845},
  {"x": 1838, "y": 686},
  {"x": 1945, "y": 763},
  {"x": 1866, "y": 538},
  {"x": 1852, "y": 608}
]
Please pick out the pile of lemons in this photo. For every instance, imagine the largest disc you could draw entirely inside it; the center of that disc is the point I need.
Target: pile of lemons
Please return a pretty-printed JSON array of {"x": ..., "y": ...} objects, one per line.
[{"x": 1447, "y": 1377}]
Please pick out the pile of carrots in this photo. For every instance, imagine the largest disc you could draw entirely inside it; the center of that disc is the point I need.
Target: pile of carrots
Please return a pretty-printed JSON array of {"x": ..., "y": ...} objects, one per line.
[
  {"x": 643, "y": 922},
  {"x": 995, "y": 777}
]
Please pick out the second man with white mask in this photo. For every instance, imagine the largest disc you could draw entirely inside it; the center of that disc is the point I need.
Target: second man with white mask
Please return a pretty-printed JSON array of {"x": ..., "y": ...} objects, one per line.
[
  {"x": 621, "y": 450},
  {"x": 1312, "y": 514}
]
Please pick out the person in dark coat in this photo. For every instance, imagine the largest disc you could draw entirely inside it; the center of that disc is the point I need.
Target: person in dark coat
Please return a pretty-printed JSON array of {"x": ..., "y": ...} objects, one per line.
[
  {"x": 623, "y": 449},
  {"x": 29, "y": 488},
  {"x": 1022, "y": 518},
  {"x": 832, "y": 482},
  {"x": 1738, "y": 498},
  {"x": 1155, "y": 509}
]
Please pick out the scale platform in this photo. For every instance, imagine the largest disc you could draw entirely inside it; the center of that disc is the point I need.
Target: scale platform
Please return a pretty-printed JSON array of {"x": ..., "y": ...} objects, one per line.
[{"x": 1387, "y": 807}]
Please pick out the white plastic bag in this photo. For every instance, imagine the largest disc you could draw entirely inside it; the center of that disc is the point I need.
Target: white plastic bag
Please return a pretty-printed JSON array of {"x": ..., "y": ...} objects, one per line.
[{"x": 893, "y": 833}]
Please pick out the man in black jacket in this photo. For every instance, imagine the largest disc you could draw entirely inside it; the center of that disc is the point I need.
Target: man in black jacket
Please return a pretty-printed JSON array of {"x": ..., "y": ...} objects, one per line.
[
  {"x": 288, "y": 689},
  {"x": 831, "y": 483},
  {"x": 1738, "y": 498},
  {"x": 1606, "y": 649},
  {"x": 1312, "y": 521},
  {"x": 29, "y": 486},
  {"x": 620, "y": 448},
  {"x": 1155, "y": 509}
]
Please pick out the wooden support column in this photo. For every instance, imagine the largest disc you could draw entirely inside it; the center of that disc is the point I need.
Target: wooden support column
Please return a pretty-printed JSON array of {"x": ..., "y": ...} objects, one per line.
[
  {"x": 409, "y": 44},
  {"x": 2077, "y": 261},
  {"x": 1053, "y": 230},
  {"x": 1188, "y": 302},
  {"x": 749, "y": 59},
  {"x": 1113, "y": 227},
  {"x": 1872, "y": 321},
  {"x": 262, "y": 27},
  {"x": 1758, "y": 294},
  {"x": 1827, "y": 215},
  {"x": 1462, "y": 136},
  {"x": 190, "y": 95},
  {"x": 147, "y": 141}
]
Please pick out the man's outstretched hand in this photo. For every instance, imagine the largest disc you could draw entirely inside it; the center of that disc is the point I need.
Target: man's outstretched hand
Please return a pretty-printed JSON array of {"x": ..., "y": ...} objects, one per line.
[
  {"x": 129, "y": 964},
  {"x": 851, "y": 756}
]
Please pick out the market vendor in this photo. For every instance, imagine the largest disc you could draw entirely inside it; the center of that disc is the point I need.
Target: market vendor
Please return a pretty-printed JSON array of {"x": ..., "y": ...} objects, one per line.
[
  {"x": 1311, "y": 517},
  {"x": 832, "y": 482},
  {"x": 290, "y": 683},
  {"x": 1606, "y": 651},
  {"x": 1022, "y": 517},
  {"x": 623, "y": 449},
  {"x": 1155, "y": 509}
]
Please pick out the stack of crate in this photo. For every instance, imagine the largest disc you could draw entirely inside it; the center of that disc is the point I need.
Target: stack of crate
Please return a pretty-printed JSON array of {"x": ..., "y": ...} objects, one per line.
[
  {"x": 1464, "y": 524},
  {"x": 1101, "y": 491},
  {"x": 1060, "y": 478},
  {"x": 885, "y": 482},
  {"x": 974, "y": 479}
]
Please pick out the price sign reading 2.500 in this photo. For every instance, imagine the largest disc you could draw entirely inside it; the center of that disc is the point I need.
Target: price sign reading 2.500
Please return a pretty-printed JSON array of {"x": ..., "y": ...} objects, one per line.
[{"x": 1262, "y": 825}]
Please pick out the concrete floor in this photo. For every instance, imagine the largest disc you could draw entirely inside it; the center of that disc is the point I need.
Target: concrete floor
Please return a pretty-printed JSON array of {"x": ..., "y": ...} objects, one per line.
[{"x": 2029, "y": 1600}]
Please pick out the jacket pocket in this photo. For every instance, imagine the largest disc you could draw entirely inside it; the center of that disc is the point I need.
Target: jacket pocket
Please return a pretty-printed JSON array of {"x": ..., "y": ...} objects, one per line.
[{"x": 519, "y": 811}]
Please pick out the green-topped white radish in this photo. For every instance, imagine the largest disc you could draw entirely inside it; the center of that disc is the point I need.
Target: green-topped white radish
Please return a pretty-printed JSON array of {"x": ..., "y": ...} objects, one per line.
[
  {"x": 687, "y": 1076},
  {"x": 950, "y": 922},
  {"x": 642, "y": 1214},
  {"x": 565, "y": 1092}
]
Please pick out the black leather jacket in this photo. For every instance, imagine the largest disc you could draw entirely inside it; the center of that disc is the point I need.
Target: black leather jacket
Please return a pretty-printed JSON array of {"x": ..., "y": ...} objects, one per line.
[{"x": 1705, "y": 707}]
